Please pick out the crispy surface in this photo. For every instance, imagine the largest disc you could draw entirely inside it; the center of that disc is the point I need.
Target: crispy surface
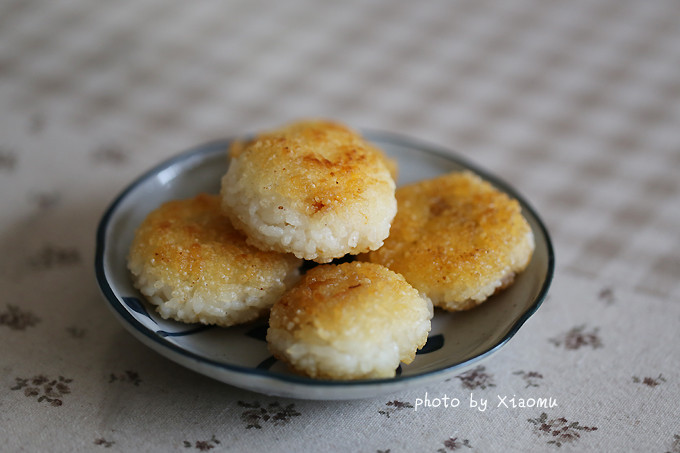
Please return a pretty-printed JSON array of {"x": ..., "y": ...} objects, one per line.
[
  {"x": 313, "y": 188},
  {"x": 337, "y": 300},
  {"x": 190, "y": 242},
  {"x": 350, "y": 321},
  {"x": 189, "y": 261},
  {"x": 457, "y": 239},
  {"x": 319, "y": 166}
]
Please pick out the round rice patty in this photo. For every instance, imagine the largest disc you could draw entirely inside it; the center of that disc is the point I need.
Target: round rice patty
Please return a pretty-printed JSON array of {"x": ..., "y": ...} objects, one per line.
[
  {"x": 349, "y": 321},
  {"x": 457, "y": 239},
  {"x": 189, "y": 261},
  {"x": 315, "y": 189}
]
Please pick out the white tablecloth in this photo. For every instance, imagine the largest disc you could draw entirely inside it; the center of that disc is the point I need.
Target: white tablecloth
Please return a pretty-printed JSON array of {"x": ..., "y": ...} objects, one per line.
[{"x": 576, "y": 104}]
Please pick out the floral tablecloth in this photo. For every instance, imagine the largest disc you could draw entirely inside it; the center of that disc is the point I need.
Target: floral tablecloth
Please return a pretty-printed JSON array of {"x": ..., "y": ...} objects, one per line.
[{"x": 576, "y": 104}]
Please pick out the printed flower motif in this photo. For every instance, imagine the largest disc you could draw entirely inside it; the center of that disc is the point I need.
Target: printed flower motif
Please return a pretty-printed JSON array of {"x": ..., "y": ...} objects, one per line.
[
  {"x": 76, "y": 332},
  {"x": 560, "y": 430},
  {"x": 127, "y": 376},
  {"x": 51, "y": 256},
  {"x": 274, "y": 413},
  {"x": 8, "y": 159},
  {"x": 607, "y": 295},
  {"x": 44, "y": 388},
  {"x": 434, "y": 343},
  {"x": 37, "y": 123},
  {"x": 110, "y": 154},
  {"x": 259, "y": 332},
  {"x": 45, "y": 200},
  {"x": 577, "y": 338},
  {"x": 17, "y": 319},
  {"x": 203, "y": 445},
  {"x": 476, "y": 378},
  {"x": 649, "y": 381},
  {"x": 530, "y": 377},
  {"x": 393, "y": 406},
  {"x": 453, "y": 444},
  {"x": 675, "y": 446},
  {"x": 103, "y": 442}
]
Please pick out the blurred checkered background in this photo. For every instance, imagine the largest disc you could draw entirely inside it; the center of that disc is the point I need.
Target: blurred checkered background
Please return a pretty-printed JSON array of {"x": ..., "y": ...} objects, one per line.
[{"x": 574, "y": 103}]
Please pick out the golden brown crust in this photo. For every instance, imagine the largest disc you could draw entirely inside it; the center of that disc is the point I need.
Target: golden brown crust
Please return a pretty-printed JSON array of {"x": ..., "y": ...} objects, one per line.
[
  {"x": 456, "y": 238},
  {"x": 331, "y": 298},
  {"x": 349, "y": 321},
  {"x": 320, "y": 164},
  {"x": 191, "y": 243}
]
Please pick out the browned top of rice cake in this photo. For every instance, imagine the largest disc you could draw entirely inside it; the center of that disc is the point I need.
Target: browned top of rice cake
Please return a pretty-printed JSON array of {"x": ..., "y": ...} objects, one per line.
[
  {"x": 322, "y": 164},
  {"x": 336, "y": 300},
  {"x": 191, "y": 241},
  {"x": 453, "y": 236}
]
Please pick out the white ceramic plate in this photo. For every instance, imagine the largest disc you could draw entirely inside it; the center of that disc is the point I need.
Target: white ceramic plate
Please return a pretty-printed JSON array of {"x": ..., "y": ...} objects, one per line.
[{"x": 239, "y": 355}]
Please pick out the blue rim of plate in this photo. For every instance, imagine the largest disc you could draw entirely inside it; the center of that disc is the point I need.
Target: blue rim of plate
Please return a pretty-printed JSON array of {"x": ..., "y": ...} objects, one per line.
[{"x": 372, "y": 135}]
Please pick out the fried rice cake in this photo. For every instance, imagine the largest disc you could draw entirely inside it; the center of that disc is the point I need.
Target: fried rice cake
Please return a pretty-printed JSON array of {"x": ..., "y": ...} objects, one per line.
[
  {"x": 313, "y": 188},
  {"x": 457, "y": 239},
  {"x": 349, "y": 321},
  {"x": 188, "y": 260}
]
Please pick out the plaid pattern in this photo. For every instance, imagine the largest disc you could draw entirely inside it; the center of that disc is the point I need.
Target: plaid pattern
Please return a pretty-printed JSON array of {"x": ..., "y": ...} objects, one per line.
[{"x": 576, "y": 104}]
